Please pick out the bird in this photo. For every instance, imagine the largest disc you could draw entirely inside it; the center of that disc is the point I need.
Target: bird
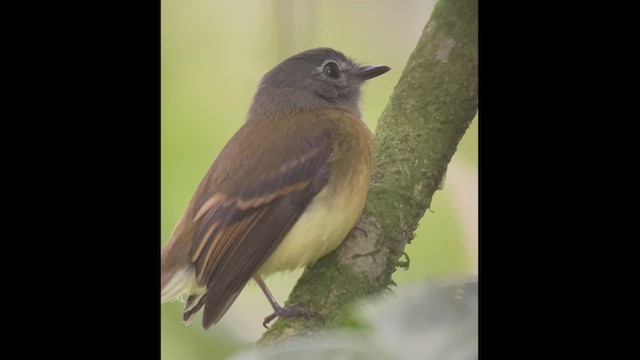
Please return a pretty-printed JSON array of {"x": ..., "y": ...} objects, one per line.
[{"x": 285, "y": 190}]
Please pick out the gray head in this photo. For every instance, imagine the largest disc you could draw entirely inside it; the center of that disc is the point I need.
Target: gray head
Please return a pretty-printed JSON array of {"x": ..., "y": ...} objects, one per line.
[{"x": 314, "y": 78}]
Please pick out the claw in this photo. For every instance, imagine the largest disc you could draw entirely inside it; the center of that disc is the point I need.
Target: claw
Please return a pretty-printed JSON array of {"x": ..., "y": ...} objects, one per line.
[
  {"x": 358, "y": 228},
  {"x": 289, "y": 311}
]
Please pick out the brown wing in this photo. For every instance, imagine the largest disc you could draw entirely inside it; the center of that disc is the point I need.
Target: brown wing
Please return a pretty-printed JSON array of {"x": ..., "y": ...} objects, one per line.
[{"x": 243, "y": 212}]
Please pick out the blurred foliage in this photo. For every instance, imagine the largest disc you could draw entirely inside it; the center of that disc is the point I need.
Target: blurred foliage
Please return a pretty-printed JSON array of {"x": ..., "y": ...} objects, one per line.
[
  {"x": 213, "y": 54},
  {"x": 426, "y": 321}
]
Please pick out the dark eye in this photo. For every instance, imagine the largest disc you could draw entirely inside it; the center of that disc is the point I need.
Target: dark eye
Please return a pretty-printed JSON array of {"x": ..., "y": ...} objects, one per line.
[{"x": 332, "y": 70}]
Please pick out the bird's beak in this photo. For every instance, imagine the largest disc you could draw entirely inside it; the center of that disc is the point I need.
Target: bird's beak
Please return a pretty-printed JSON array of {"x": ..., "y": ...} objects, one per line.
[{"x": 371, "y": 71}]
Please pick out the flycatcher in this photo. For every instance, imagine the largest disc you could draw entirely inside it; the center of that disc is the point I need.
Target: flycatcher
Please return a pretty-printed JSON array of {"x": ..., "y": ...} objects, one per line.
[{"x": 284, "y": 191}]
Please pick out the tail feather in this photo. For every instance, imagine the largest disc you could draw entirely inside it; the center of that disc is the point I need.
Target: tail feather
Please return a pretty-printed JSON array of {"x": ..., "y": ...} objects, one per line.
[
  {"x": 178, "y": 279},
  {"x": 174, "y": 284},
  {"x": 191, "y": 307},
  {"x": 215, "y": 310},
  {"x": 214, "y": 307}
]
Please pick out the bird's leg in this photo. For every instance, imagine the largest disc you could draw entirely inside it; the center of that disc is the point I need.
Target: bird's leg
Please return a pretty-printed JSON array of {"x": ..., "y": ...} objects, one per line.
[{"x": 287, "y": 311}]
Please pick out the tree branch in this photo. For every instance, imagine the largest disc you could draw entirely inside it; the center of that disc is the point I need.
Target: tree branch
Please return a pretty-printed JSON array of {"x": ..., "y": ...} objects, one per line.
[{"x": 417, "y": 134}]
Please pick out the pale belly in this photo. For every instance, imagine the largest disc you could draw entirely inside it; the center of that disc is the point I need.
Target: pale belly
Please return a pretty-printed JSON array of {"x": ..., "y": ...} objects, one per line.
[{"x": 321, "y": 228}]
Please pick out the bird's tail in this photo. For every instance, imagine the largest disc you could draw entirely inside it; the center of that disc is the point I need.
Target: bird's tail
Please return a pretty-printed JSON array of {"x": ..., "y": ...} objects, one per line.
[
  {"x": 214, "y": 306},
  {"x": 175, "y": 283},
  {"x": 177, "y": 275}
]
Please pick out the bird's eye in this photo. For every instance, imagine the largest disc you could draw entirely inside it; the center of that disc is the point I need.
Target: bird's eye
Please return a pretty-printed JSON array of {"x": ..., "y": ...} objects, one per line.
[{"x": 332, "y": 70}]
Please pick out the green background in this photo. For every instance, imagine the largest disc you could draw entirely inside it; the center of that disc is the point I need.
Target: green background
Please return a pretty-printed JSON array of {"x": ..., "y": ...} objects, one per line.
[{"x": 213, "y": 54}]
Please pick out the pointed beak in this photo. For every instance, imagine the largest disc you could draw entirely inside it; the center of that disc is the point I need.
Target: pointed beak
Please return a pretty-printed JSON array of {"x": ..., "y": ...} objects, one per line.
[{"x": 371, "y": 71}]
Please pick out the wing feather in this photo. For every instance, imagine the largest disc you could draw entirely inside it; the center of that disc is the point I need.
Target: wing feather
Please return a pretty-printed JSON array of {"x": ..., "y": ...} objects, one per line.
[{"x": 243, "y": 219}]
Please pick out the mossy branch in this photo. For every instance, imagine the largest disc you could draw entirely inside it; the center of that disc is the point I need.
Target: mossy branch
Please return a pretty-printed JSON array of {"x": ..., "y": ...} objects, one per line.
[{"x": 417, "y": 134}]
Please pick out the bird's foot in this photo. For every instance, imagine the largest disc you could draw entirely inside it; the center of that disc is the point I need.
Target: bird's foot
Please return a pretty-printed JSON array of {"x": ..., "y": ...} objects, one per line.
[{"x": 289, "y": 311}]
